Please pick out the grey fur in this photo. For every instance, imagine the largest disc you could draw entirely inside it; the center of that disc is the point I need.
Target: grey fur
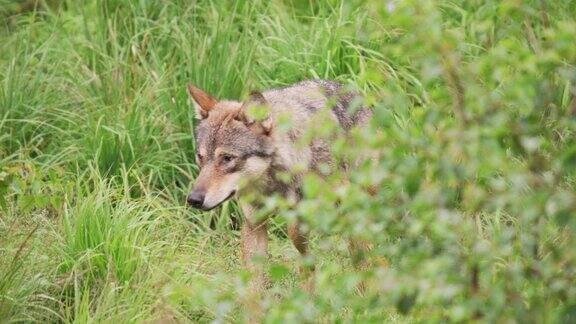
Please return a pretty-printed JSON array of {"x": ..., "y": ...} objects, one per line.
[
  {"x": 240, "y": 155},
  {"x": 228, "y": 129},
  {"x": 305, "y": 94},
  {"x": 295, "y": 95}
]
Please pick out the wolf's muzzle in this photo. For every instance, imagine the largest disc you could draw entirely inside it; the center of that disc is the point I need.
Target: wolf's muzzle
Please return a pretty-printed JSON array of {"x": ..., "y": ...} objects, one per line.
[{"x": 196, "y": 199}]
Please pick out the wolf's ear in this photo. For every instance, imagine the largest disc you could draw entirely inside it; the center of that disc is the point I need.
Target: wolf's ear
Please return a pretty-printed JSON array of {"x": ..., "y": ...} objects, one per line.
[
  {"x": 203, "y": 102},
  {"x": 255, "y": 113}
]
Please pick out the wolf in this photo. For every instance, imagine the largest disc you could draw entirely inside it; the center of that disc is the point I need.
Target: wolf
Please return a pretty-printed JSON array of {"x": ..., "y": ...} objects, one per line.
[{"x": 242, "y": 156}]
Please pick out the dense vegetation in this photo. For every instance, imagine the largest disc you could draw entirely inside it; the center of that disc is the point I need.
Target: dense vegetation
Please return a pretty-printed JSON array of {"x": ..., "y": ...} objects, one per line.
[{"x": 468, "y": 198}]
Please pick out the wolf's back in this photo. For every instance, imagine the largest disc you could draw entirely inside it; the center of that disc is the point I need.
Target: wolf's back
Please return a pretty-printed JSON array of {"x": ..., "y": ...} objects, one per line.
[{"x": 307, "y": 97}]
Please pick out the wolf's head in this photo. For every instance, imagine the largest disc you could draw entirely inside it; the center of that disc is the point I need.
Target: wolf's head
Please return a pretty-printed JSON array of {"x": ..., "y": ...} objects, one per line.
[{"x": 232, "y": 149}]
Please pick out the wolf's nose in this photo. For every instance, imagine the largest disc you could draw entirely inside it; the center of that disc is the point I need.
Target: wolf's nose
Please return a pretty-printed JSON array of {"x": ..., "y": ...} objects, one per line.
[{"x": 196, "y": 199}]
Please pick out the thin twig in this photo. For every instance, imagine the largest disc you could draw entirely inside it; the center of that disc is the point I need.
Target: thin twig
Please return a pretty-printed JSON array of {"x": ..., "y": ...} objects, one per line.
[{"x": 456, "y": 86}]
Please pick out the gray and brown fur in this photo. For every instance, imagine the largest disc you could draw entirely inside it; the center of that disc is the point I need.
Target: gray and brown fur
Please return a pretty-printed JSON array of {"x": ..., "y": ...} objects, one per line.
[{"x": 241, "y": 156}]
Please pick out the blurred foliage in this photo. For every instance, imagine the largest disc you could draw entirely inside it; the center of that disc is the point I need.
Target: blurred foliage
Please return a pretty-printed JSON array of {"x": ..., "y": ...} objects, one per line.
[{"x": 464, "y": 188}]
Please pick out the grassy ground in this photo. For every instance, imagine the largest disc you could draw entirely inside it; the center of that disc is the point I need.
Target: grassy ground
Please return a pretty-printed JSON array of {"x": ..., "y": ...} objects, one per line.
[{"x": 97, "y": 150}]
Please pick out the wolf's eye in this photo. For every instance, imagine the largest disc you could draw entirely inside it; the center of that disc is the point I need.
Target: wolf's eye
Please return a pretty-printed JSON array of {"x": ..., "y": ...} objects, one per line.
[{"x": 227, "y": 158}]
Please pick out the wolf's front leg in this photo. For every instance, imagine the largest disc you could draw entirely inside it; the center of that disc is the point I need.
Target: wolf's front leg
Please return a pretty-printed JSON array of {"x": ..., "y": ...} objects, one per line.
[
  {"x": 254, "y": 237},
  {"x": 299, "y": 238}
]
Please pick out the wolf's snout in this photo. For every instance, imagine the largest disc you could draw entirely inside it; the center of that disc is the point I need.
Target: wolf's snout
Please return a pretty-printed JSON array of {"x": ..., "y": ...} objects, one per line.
[{"x": 196, "y": 199}]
